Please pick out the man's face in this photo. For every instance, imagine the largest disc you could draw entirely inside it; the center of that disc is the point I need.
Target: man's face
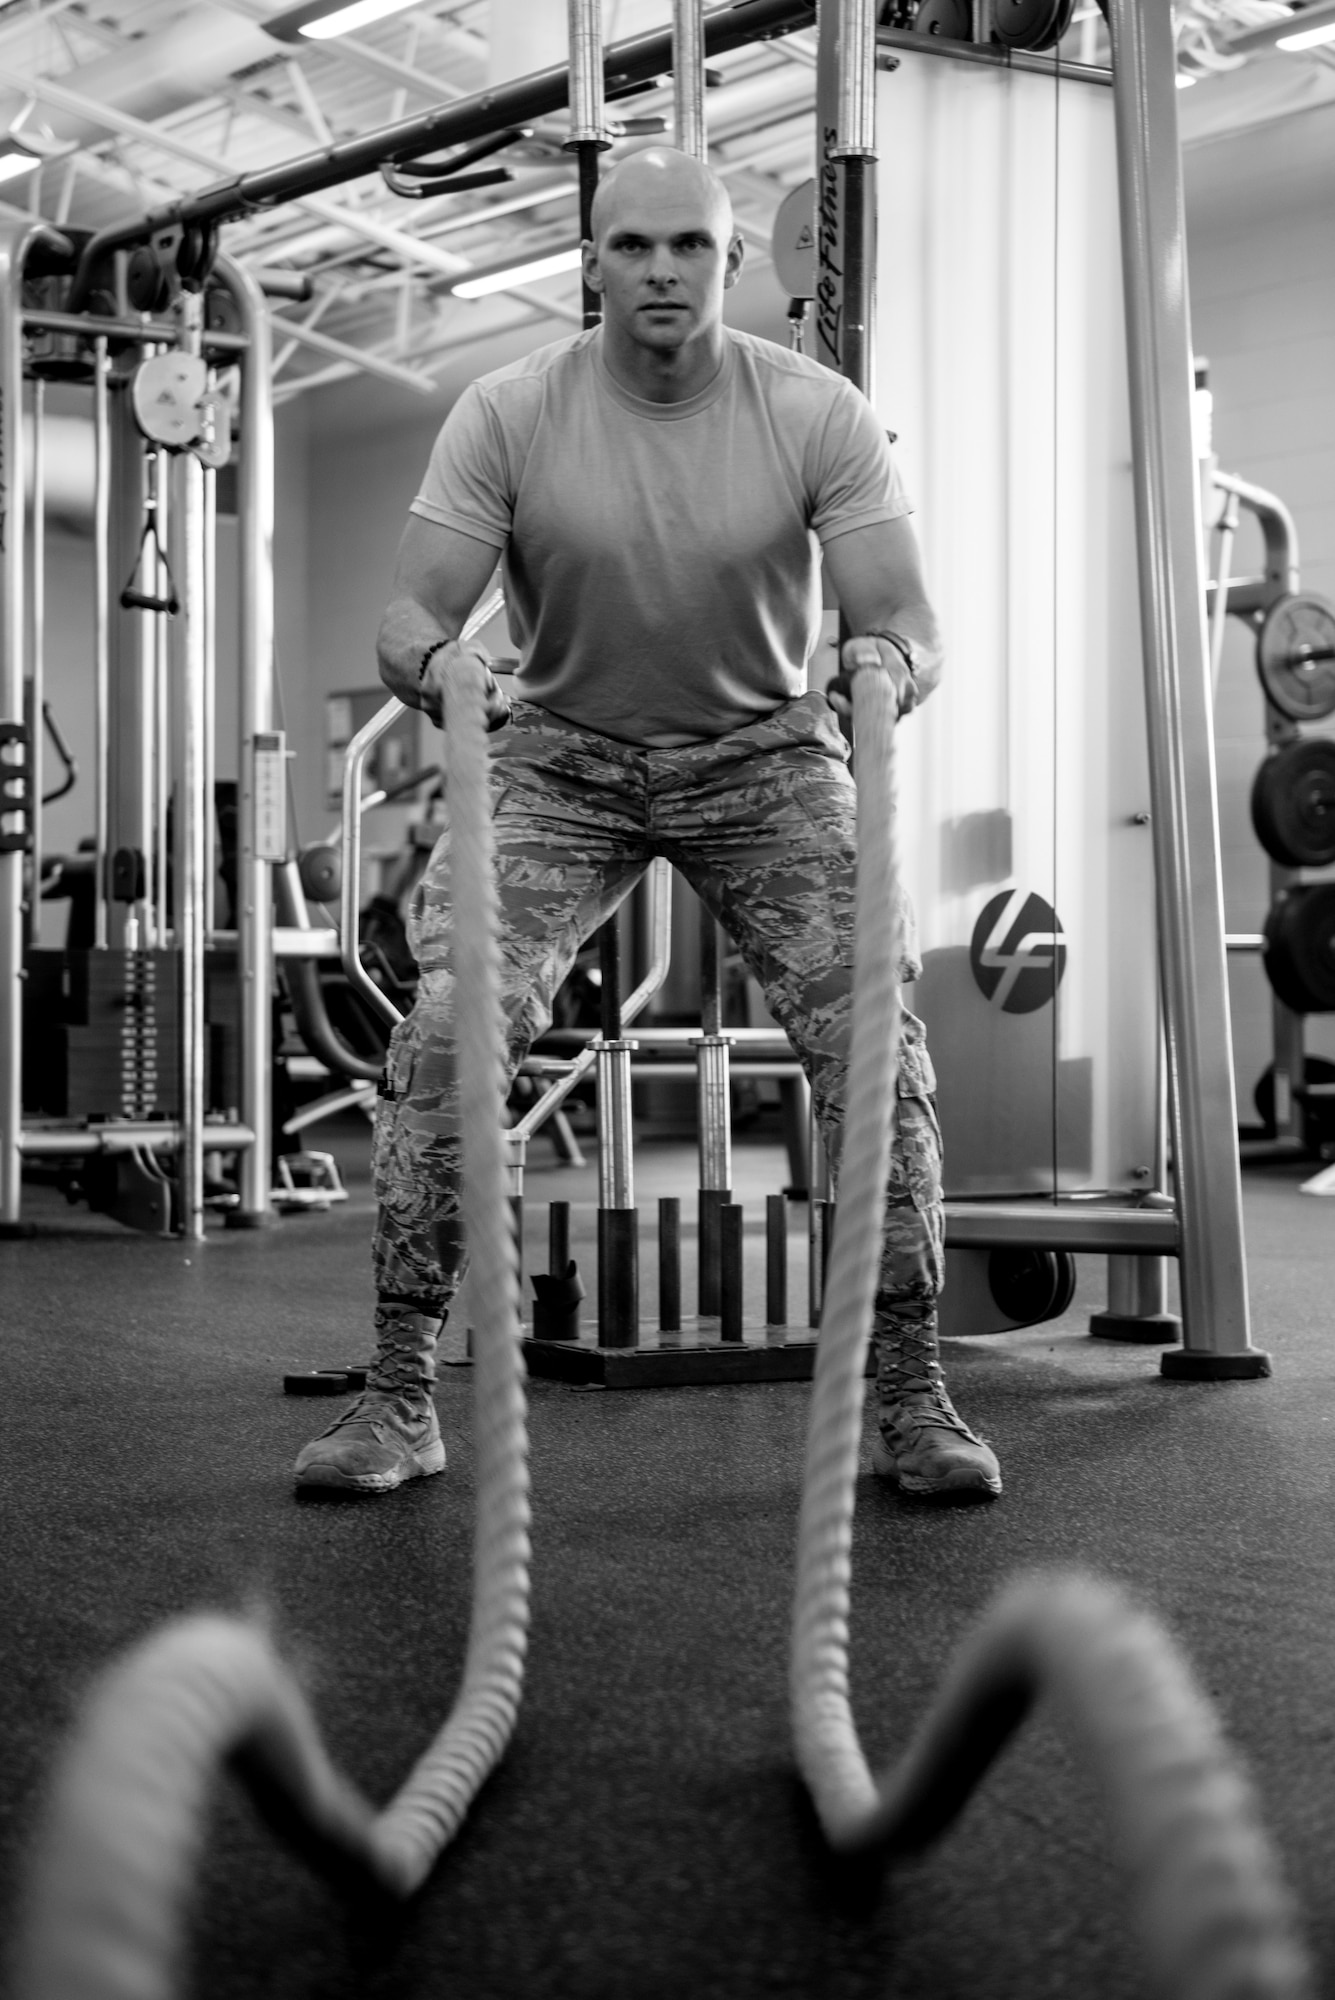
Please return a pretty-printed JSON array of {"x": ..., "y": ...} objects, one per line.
[{"x": 662, "y": 264}]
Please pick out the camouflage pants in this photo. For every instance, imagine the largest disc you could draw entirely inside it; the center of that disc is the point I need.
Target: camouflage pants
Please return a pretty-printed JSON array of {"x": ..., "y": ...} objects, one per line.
[{"x": 761, "y": 824}]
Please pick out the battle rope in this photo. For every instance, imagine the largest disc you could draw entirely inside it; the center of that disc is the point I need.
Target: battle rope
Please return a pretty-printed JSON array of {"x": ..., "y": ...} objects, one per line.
[
  {"x": 125, "y": 1815},
  {"x": 125, "y": 1818},
  {"x": 1213, "y": 1914}
]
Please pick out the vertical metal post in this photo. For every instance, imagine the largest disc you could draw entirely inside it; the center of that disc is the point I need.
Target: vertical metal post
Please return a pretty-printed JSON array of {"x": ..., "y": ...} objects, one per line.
[
  {"x": 618, "y": 1218},
  {"x": 731, "y": 1243},
  {"x": 855, "y": 147},
  {"x": 669, "y": 1264},
  {"x": 589, "y": 135},
  {"x": 188, "y": 872},
  {"x": 776, "y": 1260},
  {"x": 1177, "y": 688},
  {"x": 101, "y": 636},
  {"x": 37, "y": 670},
  {"x": 688, "y": 79},
  {"x": 210, "y": 696},
  {"x": 558, "y": 1238},
  {"x": 818, "y": 1187},
  {"x": 16, "y": 239},
  {"x": 255, "y": 709},
  {"x": 161, "y": 672},
  {"x": 713, "y": 1118}
]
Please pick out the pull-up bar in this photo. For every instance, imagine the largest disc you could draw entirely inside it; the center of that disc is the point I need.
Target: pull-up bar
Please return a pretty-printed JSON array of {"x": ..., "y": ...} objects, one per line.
[{"x": 519, "y": 103}]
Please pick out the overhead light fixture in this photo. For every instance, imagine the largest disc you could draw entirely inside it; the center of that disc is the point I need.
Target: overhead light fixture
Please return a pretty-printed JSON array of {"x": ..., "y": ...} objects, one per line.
[
  {"x": 16, "y": 158},
  {"x": 502, "y": 277},
  {"x": 321, "y": 20},
  {"x": 1309, "y": 38},
  {"x": 1185, "y": 79},
  {"x": 1302, "y": 28}
]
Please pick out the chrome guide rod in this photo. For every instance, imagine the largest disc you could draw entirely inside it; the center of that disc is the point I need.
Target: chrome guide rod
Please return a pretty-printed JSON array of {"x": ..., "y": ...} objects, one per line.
[
  {"x": 17, "y": 237},
  {"x": 688, "y": 79},
  {"x": 101, "y": 635},
  {"x": 188, "y": 882},
  {"x": 255, "y": 710},
  {"x": 37, "y": 667},
  {"x": 1202, "y": 1110}
]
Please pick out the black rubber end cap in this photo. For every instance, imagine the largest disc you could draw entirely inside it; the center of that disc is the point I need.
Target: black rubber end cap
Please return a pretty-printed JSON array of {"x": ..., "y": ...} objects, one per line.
[
  {"x": 1137, "y": 1329},
  {"x": 1184, "y": 1365},
  {"x": 325, "y": 1382},
  {"x": 237, "y": 1218}
]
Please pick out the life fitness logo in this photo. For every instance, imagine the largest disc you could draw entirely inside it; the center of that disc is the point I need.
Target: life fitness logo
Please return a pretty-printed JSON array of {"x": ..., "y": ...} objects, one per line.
[{"x": 1017, "y": 952}]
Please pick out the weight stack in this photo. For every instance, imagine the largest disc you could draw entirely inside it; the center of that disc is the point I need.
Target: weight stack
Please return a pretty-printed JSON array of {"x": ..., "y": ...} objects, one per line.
[
  {"x": 101, "y": 1034},
  {"x": 121, "y": 1034}
]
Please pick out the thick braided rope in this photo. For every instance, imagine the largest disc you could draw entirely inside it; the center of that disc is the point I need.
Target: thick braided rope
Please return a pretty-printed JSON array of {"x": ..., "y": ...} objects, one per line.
[
  {"x": 1215, "y": 1920},
  {"x": 123, "y": 1826},
  {"x": 428, "y": 1810}
]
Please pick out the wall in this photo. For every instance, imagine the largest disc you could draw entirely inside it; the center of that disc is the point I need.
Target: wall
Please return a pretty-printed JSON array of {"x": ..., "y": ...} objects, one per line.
[{"x": 1261, "y": 242}]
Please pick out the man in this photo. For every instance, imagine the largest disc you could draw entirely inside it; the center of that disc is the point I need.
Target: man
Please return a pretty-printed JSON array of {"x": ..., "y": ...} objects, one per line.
[{"x": 659, "y": 490}]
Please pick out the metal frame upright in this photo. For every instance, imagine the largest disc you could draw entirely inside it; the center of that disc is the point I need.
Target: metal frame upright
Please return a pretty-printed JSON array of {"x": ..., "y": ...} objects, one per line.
[{"x": 1202, "y": 1108}]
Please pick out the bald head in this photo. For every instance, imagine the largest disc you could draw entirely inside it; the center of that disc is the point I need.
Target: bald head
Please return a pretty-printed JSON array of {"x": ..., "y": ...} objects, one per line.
[{"x": 661, "y": 178}]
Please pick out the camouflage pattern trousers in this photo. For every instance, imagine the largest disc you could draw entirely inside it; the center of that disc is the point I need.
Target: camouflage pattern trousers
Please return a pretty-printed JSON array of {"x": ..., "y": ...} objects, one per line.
[{"x": 761, "y": 824}]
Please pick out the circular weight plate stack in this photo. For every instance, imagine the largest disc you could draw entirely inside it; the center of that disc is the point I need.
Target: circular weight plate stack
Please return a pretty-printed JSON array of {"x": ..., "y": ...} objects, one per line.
[
  {"x": 1031, "y": 1285},
  {"x": 1299, "y": 955},
  {"x": 1295, "y": 656},
  {"x": 1032, "y": 24},
  {"x": 1293, "y": 804},
  {"x": 952, "y": 19}
]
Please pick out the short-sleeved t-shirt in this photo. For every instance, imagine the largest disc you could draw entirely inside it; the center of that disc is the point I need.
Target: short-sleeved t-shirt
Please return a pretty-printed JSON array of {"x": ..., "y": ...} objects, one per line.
[{"x": 661, "y": 560}]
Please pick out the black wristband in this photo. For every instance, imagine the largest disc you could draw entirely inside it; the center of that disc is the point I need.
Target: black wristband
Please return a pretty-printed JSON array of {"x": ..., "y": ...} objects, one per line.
[
  {"x": 903, "y": 647},
  {"x": 428, "y": 656}
]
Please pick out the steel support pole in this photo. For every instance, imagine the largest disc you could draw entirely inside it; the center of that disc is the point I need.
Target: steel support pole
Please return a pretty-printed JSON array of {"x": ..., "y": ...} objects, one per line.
[
  {"x": 1202, "y": 1110},
  {"x": 255, "y": 709},
  {"x": 16, "y": 240},
  {"x": 101, "y": 636},
  {"x": 37, "y": 668},
  {"x": 589, "y": 135},
  {"x": 688, "y": 79},
  {"x": 188, "y": 878}
]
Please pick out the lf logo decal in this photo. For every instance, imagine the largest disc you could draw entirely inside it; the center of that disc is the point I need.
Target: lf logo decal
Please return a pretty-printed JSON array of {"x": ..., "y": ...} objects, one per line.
[{"x": 1017, "y": 952}]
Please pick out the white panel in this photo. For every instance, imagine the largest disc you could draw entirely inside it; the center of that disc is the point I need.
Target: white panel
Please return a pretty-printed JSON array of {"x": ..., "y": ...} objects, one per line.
[{"x": 1001, "y": 365}]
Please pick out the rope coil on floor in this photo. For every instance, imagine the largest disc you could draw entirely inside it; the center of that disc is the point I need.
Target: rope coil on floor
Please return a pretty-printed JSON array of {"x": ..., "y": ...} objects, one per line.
[
  {"x": 125, "y": 1817},
  {"x": 1214, "y": 1917}
]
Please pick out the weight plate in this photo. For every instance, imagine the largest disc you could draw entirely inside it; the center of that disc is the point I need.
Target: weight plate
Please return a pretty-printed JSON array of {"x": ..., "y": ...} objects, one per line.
[
  {"x": 1293, "y": 803},
  {"x": 1299, "y": 956},
  {"x": 165, "y": 393},
  {"x": 951, "y": 19},
  {"x": 1295, "y": 656},
  {"x": 1032, "y": 24},
  {"x": 793, "y": 242},
  {"x": 1025, "y": 1284}
]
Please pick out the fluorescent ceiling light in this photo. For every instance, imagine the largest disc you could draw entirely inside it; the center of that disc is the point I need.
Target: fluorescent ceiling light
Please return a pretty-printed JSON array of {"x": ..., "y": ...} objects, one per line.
[
  {"x": 15, "y": 159},
  {"x": 1301, "y": 28},
  {"x": 1309, "y": 38},
  {"x": 479, "y": 283},
  {"x": 321, "y": 20}
]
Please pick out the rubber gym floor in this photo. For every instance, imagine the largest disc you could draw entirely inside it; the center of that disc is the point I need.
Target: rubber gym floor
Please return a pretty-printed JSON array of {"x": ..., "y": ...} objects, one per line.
[{"x": 645, "y": 1836}]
